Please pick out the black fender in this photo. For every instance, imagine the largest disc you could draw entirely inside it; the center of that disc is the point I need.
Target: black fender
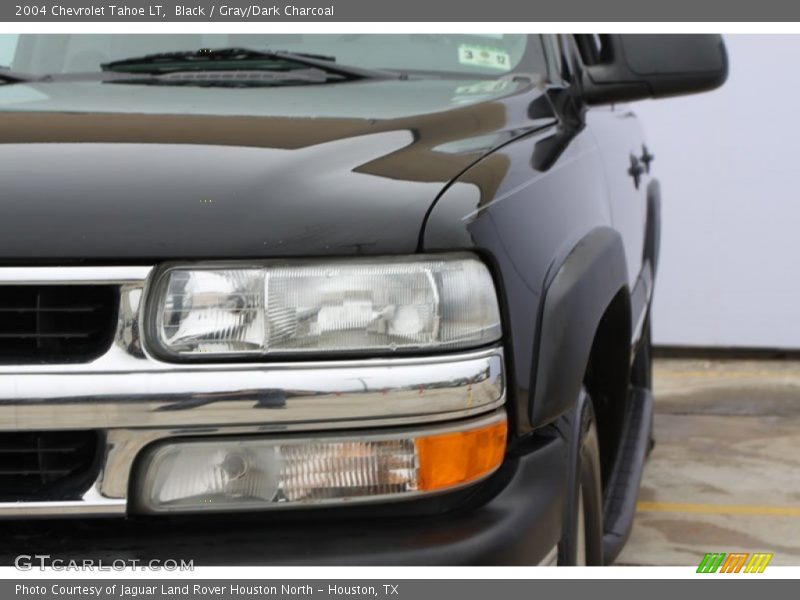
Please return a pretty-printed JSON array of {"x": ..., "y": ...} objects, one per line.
[
  {"x": 652, "y": 231},
  {"x": 642, "y": 293},
  {"x": 575, "y": 300}
]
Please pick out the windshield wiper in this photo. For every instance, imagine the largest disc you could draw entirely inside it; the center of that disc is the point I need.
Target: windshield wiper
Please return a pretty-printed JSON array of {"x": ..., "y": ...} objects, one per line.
[
  {"x": 233, "y": 59},
  {"x": 220, "y": 78},
  {"x": 237, "y": 78}
]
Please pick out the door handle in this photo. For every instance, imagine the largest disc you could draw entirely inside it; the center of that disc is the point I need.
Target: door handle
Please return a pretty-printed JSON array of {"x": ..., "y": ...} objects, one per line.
[
  {"x": 646, "y": 158},
  {"x": 636, "y": 170}
]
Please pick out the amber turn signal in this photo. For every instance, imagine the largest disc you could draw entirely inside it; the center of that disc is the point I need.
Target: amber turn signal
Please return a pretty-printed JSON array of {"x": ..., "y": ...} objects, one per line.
[{"x": 452, "y": 459}]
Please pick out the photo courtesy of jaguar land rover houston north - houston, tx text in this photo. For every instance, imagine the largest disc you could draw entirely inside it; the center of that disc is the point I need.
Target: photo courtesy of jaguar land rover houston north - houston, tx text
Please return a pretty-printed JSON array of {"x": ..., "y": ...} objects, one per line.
[
  {"x": 194, "y": 589},
  {"x": 352, "y": 299}
]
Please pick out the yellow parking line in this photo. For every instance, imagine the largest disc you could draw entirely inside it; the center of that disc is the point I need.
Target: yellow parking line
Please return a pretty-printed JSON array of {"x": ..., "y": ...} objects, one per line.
[
  {"x": 719, "y": 509},
  {"x": 724, "y": 374}
]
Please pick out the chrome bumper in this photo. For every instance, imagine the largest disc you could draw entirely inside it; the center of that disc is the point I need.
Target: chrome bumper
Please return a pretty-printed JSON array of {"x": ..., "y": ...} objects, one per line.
[
  {"x": 272, "y": 397},
  {"x": 136, "y": 409},
  {"x": 135, "y": 399}
]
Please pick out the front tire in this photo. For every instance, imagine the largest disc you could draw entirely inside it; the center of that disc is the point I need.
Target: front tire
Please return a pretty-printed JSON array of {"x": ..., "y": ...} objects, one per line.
[{"x": 582, "y": 538}]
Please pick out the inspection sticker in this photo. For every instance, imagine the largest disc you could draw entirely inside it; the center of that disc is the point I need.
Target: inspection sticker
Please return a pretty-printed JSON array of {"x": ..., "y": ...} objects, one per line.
[{"x": 477, "y": 55}]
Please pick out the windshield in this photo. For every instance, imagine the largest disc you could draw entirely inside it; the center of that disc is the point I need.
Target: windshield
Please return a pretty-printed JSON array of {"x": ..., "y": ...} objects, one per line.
[{"x": 463, "y": 54}]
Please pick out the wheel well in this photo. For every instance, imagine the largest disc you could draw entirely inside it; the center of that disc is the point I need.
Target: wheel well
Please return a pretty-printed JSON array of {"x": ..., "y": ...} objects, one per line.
[{"x": 607, "y": 376}]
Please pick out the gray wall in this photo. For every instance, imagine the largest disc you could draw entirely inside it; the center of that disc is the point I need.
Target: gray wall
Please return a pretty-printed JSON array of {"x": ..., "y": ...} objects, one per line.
[{"x": 729, "y": 165}]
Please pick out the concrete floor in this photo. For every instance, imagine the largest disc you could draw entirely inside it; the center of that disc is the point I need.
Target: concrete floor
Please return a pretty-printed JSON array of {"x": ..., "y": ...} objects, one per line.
[{"x": 725, "y": 472}]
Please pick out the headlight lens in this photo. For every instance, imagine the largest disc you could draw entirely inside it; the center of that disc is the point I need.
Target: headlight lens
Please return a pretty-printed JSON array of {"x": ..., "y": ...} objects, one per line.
[{"x": 339, "y": 306}]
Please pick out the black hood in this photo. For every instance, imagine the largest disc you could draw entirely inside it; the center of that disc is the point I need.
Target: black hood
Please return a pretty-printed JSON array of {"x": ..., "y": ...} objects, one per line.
[{"x": 94, "y": 171}]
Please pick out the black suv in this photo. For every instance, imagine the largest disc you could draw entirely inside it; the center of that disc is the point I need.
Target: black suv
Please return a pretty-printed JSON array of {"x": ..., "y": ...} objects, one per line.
[{"x": 361, "y": 299}]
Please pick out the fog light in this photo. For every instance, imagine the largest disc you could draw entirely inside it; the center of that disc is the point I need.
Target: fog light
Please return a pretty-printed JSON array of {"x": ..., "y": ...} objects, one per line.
[{"x": 255, "y": 473}]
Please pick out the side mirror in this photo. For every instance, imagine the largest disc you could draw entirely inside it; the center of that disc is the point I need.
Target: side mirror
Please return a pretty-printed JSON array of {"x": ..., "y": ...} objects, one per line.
[{"x": 622, "y": 68}]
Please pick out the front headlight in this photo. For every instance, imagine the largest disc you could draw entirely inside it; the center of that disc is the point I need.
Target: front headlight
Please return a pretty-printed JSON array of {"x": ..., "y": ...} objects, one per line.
[{"x": 335, "y": 306}]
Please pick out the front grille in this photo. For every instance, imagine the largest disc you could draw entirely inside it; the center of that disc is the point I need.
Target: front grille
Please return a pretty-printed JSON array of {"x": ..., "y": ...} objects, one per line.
[
  {"x": 55, "y": 323},
  {"x": 47, "y": 465}
]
